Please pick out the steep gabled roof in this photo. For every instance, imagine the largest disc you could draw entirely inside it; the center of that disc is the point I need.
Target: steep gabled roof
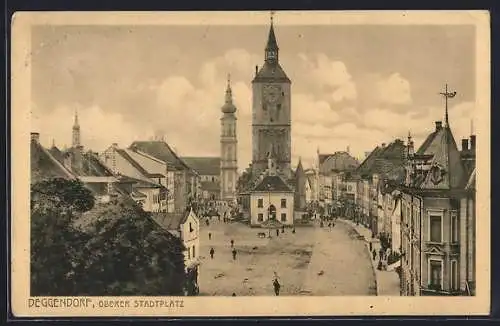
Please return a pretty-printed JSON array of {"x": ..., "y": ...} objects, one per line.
[
  {"x": 57, "y": 154},
  {"x": 123, "y": 153},
  {"x": 45, "y": 166},
  {"x": 162, "y": 151},
  {"x": 272, "y": 183},
  {"x": 204, "y": 165},
  {"x": 365, "y": 166},
  {"x": 447, "y": 156}
]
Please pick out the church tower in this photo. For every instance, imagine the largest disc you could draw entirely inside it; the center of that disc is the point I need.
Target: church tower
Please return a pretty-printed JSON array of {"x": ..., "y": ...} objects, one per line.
[
  {"x": 228, "y": 147},
  {"x": 76, "y": 132},
  {"x": 271, "y": 112}
]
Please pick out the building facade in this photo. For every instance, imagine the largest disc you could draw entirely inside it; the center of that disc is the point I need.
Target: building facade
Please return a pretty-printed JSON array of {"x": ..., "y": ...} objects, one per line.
[
  {"x": 438, "y": 234},
  {"x": 228, "y": 148},
  {"x": 186, "y": 181}
]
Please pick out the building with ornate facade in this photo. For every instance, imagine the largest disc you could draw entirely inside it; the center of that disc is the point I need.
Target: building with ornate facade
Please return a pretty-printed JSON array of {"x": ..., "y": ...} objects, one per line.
[{"x": 438, "y": 218}]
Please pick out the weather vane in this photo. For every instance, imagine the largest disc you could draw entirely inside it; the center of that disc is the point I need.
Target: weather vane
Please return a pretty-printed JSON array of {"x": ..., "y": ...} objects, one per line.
[{"x": 447, "y": 95}]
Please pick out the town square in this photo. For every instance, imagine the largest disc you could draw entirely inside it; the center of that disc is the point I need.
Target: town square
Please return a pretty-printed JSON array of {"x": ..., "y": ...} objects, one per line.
[{"x": 261, "y": 160}]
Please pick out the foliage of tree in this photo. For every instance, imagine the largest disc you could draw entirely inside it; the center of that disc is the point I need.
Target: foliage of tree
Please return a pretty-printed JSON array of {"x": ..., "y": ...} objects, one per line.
[
  {"x": 55, "y": 242},
  {"x": 129, "y": 254},
  {"x": 110, "y": 249}
]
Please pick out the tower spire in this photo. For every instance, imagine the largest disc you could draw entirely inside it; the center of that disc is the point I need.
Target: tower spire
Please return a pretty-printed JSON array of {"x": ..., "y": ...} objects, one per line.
[
  {"x": 447, "y": 95},
  {"x": 229, "y": 91},
  {"x": 76, "y": 132},
  {"x": 272, "y": 48},
  {"x": 75, "y": 124}
]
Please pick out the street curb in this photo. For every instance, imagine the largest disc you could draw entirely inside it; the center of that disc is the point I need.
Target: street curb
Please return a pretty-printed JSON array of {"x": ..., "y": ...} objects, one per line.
[{"x": 373, "y": 263}]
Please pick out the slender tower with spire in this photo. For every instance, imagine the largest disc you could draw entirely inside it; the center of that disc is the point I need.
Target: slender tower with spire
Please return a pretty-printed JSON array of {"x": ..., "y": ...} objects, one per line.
[
  {"x": 228, "y": 147},
  {"x": 271, "y": 111},
  {"x": 76, "y": 132}
]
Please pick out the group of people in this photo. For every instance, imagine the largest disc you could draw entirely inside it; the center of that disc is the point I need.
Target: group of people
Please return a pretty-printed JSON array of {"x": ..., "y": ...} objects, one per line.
[
  {"x": 383, "y": 255},
  {"x": 212, "y": 250}
]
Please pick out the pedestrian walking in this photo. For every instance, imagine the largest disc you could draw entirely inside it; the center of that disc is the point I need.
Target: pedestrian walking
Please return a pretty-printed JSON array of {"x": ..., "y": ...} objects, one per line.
[
  {"x": 374, "y": 254},
  {"x": 234, "y": 254},
  {"x": 371, "y": 246},
  {"x": 232, "y": 243},
  {"x": 276, "y": 286},
  {"x": 293, "y": 230},
  {"x": 209, "y": 235},
  {"x": 333, "y": 224},
  {"x": 277, "y": 232},
  {"x": 283, "y": 229},
  {"x": 212, "y": 252}
]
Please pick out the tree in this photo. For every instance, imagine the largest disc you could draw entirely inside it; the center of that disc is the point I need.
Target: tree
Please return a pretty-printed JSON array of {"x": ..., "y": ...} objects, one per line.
[
  {"x": 129, "y": 254},
  {"x": 54, "y": 239},
  {"x": 109, "y": 249}
]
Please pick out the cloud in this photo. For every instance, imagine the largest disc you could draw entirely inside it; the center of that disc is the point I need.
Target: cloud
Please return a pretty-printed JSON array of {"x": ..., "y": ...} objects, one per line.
[
  {"x": 307, "y": 109},
  {"x": 329, "y": 76},
  {"x": 99, "y": 128},
  {"x": 394, "y": 90}
]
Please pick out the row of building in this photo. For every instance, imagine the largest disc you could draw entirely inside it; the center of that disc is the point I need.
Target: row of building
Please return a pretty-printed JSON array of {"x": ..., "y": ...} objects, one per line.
[{"x": 420, "y": 200}]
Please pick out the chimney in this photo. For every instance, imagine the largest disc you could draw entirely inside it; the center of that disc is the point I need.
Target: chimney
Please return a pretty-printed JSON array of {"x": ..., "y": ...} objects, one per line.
[
  {"x": 465, "y": 144},
  {"x": 473, "y": 142},
  {"x": 439, "y": 125},
  {"x": 383, "y": 145},
  {"x": 115, "y": 145},
  {"x": 256, "y": 70},
  {"x": 35, "y": 136}
]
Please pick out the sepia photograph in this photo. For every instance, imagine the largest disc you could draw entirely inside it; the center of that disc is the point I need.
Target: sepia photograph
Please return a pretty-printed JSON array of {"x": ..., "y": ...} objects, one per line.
[{"x": 249, "y": 163}]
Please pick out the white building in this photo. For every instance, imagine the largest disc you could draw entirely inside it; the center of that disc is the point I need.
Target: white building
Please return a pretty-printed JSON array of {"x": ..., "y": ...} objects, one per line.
[{"x": 272, "y": 198}]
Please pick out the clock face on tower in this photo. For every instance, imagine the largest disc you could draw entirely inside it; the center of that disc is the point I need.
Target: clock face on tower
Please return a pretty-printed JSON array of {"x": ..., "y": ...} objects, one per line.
[{"x": 271, "y": 93}]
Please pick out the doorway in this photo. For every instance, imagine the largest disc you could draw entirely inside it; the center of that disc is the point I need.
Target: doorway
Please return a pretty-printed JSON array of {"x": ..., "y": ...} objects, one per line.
[{"x": 272, "y": 212}]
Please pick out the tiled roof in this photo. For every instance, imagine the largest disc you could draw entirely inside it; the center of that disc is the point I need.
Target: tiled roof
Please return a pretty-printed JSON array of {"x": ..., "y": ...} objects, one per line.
[
  {"x": 204, "y": 165},
  {"x": 386, "y": 161},
  {"x": 272, "y": 183},
  {"x": 367, "y": 164},
  {"x": 90, "y": 164},
  {"x": 170, "y": 221},
  {"x": 162, "y": 151},
  {"x": 56, "y": 153},
  {"x": 210, "y": 186},
  {"x": 339, "y": 161},
  {"x": 45, "y": 166},
  {"x": 271, "y": 72}
]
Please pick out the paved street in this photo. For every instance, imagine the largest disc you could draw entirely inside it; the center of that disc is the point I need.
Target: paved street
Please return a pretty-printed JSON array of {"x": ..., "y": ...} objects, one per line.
[{"x": 313, "y": 261}]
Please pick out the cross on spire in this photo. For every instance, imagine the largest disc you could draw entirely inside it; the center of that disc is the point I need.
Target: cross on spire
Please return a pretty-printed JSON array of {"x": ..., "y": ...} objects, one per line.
[
  {"x": 447, "y": 95},
  {"x": 272, "y": 16}
]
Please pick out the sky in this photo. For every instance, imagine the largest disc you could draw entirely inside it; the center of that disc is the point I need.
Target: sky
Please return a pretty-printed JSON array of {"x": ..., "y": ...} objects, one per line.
[{"x": 353, "y": 86}]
